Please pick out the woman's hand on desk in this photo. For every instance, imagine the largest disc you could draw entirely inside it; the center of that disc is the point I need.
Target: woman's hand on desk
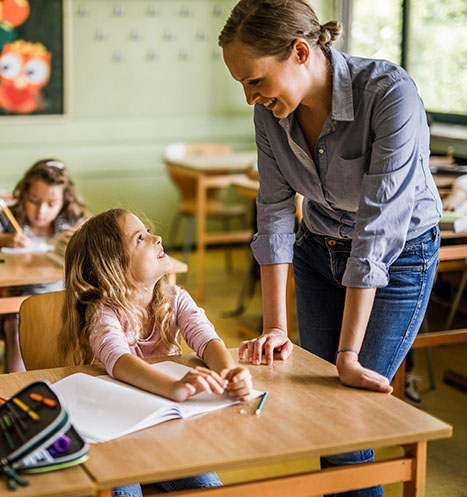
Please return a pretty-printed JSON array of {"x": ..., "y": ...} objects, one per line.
[
  {"x": 239, "y": 384},
  {"x": 269, "y": 341},
  {"x": 197, "y": 380},
  {"x": 14, "y": 240},
  {"x": 353, "y": 374}
]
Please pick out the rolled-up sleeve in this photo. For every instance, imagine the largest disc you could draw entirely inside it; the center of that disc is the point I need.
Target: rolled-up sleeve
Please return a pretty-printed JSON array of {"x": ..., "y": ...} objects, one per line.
[
  {"x": 275, "y": 203},
  {"x": 387, "y": 197}
]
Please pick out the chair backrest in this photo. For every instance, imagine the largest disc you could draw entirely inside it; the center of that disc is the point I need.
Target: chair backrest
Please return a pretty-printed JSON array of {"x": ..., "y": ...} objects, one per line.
[
  {"x": 187, "y": 184},
  {"x": 40, "y": 322}
]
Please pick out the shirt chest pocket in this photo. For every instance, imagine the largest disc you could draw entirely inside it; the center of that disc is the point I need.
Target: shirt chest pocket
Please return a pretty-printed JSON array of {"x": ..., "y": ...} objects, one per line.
[{"x": 343, "y": 181}]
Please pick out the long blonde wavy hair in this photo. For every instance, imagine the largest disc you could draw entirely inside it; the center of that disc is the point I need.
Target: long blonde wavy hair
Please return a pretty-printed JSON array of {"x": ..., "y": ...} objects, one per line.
[{"x": 97, "y": 274}]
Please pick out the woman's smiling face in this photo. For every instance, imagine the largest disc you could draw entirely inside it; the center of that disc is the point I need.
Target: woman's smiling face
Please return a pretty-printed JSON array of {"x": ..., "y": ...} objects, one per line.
[{"x": 277, "y": 84}]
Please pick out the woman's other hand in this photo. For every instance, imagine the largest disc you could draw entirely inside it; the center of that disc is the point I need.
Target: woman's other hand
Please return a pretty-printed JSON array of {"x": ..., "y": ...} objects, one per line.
[
  {"x": 353, "y": 374},
  {"x": 271, "y": 340}
]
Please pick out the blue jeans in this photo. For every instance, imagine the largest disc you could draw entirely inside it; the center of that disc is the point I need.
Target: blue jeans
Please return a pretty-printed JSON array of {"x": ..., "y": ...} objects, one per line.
[
  {"x": 395, "y": 319},
  {"x": 200, "y": 481}
]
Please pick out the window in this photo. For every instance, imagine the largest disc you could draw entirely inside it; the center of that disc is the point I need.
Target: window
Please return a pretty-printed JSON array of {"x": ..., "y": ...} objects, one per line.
[
  {"x": 376, "y": 30},
  {"x": 433, "y": 50}
]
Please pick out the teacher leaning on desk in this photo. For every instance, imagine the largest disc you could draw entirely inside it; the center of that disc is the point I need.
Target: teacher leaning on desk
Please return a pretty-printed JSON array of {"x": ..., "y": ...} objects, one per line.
[{"x": 351, "y": 136}]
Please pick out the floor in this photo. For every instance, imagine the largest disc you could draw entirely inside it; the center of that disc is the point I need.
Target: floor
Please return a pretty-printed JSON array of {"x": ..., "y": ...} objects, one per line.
[{"x": 447, "y": 459}]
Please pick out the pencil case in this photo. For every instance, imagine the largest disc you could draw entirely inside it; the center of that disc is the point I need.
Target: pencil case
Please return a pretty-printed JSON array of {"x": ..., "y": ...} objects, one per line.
[{"x": 36, "y": 434}]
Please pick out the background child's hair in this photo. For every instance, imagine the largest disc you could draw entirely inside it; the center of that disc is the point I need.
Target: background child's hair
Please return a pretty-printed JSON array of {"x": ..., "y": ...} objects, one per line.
[
  {"x": 96, "y": 274},
  {"x": 51, "y": 172}
]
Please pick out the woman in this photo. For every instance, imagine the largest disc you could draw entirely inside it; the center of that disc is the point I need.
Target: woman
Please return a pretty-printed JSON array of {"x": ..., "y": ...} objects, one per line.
[{"x": 351, "y": 136}]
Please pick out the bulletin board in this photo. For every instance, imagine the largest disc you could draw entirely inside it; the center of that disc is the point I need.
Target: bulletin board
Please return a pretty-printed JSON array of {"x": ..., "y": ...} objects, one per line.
[{"x": 31, "y": 57}]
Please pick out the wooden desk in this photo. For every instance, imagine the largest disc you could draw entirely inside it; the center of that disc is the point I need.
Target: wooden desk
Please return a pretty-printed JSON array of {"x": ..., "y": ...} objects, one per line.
[
  {"x": 28, "y": 269},
  {"x": 212, "y": 171},
  {"x": 308, "y": 413},
  {"x": 71, "y": 482}
]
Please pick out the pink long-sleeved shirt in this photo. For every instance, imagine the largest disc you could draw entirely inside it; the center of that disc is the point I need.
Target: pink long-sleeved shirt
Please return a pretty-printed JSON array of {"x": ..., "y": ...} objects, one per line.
[{"x": 111, "y": 337}]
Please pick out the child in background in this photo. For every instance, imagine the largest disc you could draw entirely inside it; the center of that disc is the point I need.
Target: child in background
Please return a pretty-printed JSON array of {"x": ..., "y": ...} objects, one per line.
[
  {"x": 47, "y": 203},
  {"x": 458, "y": 194},
  {"x": 119, "y": 309}
]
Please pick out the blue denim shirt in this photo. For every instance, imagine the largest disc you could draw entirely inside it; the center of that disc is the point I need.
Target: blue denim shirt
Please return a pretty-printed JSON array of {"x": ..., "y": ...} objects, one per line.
[{"x": 371, "y": 181}]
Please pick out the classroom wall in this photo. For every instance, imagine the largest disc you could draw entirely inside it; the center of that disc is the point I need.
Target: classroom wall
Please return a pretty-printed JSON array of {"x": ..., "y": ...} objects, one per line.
[{"x": 139, "y": 74}]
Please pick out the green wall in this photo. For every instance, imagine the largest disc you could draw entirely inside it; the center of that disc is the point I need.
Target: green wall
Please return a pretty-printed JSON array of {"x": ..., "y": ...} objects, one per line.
[{"x": 138, "y": 76}]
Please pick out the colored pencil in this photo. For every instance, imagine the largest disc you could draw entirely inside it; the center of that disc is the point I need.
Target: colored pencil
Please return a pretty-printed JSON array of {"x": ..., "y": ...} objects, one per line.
[
  {"x": 10, "y": 216},
  {"x": 261, "y": 404}
]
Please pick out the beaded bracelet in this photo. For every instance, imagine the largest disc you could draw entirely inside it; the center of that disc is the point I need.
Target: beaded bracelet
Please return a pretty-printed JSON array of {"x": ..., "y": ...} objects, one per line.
[{"x": 347, "y": 350}]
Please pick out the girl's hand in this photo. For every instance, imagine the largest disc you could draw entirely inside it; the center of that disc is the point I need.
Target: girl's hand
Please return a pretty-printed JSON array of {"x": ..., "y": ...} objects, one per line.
[
  {"x": 270, "y": 340},
  {"x": 239, "y": 384},
  {"x": 16, "y": 240},
  {"x": 195, "y": 381},
  {"x": 353, "y": 374}
]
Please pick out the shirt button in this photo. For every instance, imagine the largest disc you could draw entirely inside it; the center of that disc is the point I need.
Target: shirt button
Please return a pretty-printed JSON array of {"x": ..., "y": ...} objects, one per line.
[{"x": 321, "y": 151}]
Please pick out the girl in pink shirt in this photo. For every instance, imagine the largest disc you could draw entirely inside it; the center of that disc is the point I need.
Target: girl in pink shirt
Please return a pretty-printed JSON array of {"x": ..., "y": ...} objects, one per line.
[{"x": 119, "y": 310}]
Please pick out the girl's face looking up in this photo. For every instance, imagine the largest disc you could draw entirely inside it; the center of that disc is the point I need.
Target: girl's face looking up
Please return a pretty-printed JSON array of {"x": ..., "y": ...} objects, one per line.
[
  {"x": 42, "y": 205},
  {"x": 148, "y": 261}
]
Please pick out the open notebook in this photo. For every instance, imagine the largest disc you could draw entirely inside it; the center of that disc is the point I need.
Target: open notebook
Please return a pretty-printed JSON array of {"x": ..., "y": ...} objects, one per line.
[{"x": 102, "y": 408}]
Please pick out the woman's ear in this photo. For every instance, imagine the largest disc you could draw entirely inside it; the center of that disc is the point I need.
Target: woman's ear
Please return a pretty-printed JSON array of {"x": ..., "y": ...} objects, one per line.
[{"x": 301, "y": 50}]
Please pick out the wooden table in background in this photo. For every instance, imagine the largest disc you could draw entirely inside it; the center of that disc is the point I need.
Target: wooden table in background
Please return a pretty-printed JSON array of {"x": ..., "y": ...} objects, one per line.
[
  {"x": 308, "y": 413},
  {"x": 28, "y": 269},
  {"x": 31, "y": 269},
  {"x": 212, "y": 171}
]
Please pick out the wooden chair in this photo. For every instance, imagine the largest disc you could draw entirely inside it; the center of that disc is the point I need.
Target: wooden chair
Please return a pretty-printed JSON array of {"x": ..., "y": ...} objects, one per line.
[
  {"x": 187, "y": 186},
  {"x": 40, "y": 322}
]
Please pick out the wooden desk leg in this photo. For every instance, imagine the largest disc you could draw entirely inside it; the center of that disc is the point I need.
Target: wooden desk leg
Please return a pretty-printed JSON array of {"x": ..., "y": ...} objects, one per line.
[
  {"x": 201, "y": 202},
  {"x": 416, "y": 486},
  {"x": 290, "y": 299},
  {"x": 399, "y": 382}
]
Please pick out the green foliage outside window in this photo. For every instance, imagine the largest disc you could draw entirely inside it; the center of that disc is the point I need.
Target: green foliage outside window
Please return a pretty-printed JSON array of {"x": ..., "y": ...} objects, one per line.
[
  {"x": 437, "y": 53},
  {"x": 436, "y": 46}
]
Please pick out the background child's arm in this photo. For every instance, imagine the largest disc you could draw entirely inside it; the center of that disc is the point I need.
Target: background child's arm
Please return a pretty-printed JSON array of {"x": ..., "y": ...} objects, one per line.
[
  {"x": 14, "y": 240},
  {"x": 218, "y": 358},
  {"x": 133, "y": 370}
]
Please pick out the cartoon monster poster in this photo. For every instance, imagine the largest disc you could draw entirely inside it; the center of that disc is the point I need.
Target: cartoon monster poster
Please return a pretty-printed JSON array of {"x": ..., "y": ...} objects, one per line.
[{"x": 31, "y": 57}]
